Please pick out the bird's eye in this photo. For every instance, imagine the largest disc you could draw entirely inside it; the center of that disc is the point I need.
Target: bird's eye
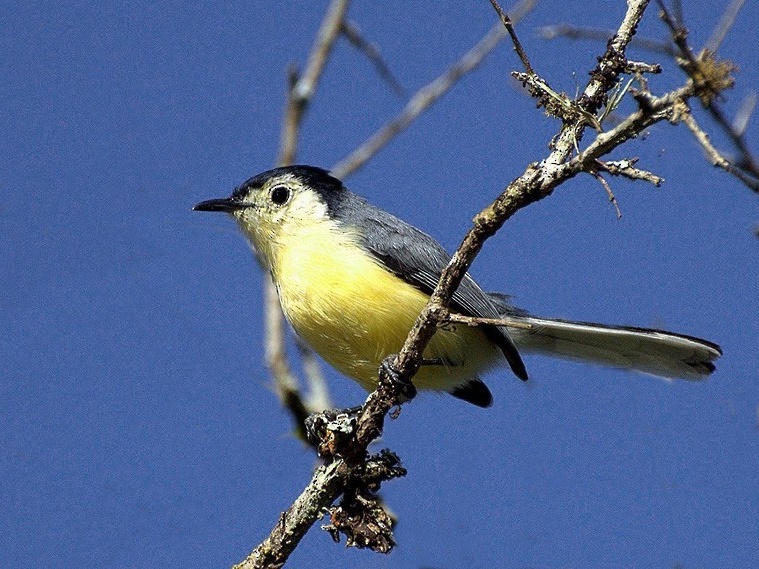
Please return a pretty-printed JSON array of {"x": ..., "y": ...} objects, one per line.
[{"x": 280, "y": 195}]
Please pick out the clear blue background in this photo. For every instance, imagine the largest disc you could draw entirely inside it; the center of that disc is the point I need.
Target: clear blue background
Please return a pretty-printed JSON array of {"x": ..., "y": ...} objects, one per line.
[{"x": 138, "y": 426}]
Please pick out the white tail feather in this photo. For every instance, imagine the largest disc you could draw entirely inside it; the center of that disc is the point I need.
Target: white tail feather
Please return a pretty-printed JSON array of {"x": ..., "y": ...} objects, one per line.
[{"x": 656, "y": 352}]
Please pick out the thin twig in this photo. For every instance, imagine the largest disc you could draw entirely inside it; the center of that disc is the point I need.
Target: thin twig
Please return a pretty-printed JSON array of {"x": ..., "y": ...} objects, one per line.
[
  {"x": 477, "y": 321},
  {"x": 677, "y": 10},
  {"x": 742, "y": 117},
  {"x": 711, "y": 76},
  {"x": 609, "y": 192},
  {"x": 715, "y": 157},
  {"x": 678, "y": 31},
  {"x": 351, "y": 31},
  {"x": 747, "y": 162},
  {"x": 285, "y": 383},
  {"x": 303, "y": 89},
  {"x": 507, "y": 23},
  {"x": 642, "y": 67},
  {"x": 626, "y": 168},
  {"x": 317, "y": 398}
]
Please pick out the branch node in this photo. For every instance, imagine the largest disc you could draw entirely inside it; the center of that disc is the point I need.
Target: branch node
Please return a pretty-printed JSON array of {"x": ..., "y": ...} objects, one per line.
[
  {"x": 710, "y": 75},
  {"x": 556, "y": 104},
  {"x": 626, "y": 168}
]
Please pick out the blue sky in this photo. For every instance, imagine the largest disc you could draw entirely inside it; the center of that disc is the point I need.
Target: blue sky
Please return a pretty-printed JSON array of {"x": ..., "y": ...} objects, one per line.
[{"x": 139, "y": 426}]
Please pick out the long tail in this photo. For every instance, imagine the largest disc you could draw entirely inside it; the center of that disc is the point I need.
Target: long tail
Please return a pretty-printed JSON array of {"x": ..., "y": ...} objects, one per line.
[{"x": 655, "y": 352}]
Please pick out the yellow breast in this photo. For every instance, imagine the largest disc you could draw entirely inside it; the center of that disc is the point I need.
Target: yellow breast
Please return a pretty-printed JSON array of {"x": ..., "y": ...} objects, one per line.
[{"x": 353, "y": 312}]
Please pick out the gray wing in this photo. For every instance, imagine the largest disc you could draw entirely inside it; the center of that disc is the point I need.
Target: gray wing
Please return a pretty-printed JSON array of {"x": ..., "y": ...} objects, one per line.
[{"x": 418, "y": 259}]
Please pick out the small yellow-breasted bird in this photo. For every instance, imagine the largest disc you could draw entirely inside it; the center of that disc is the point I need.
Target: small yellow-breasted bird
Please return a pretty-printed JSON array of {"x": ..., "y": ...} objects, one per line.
[{"x": 353, "y": 278}]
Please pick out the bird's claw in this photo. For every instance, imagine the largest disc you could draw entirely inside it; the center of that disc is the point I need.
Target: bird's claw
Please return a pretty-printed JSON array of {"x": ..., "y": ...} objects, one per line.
[{"x": 404, "y": 386}]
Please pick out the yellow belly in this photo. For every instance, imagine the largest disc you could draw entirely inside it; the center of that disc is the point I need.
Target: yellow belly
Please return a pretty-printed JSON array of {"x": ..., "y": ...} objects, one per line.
[{"x": 354, "y": 313}]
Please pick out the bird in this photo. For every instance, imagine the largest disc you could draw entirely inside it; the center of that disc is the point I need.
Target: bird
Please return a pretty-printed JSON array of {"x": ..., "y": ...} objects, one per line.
[{"x": 352, "y": 278}]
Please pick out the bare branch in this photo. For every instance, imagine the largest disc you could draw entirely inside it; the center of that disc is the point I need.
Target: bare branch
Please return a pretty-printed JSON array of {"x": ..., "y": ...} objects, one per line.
[
  {"x": 742, "y": 117},
  {"x": 425, "y": 97},
  {"x": 641, "y": 67},
  {"x": 747, "y": 162},
  {"x": 317, "y": 398},
  {"x": 303, "y": 89},
  {"x": 477, "y": 321},
  {"x": 677, "y": 9},
  {"x": 710, "y": 77},
  {"x": 506, "y": 21},
  {"x": 326, "y": 485},
  {"x": 715, "y": 157},
  {"x": 627, "y": 169},
  {"x": 555, "y": 103},
  {"x": 285, "y": 383},
  {"x": 537, "y": 182},
  {"x": 609, "y": 192},
  {"x": 652, "y": 110},
  {"x": 419, "y": 102}
]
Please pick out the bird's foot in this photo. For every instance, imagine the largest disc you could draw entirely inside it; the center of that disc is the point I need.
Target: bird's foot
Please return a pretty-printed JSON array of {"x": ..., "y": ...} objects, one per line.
[{"x": 404, "y": 387}]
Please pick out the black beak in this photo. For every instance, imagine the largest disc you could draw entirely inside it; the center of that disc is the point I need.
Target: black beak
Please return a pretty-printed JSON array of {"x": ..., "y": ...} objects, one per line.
[{"x": 221, "y": 204}]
